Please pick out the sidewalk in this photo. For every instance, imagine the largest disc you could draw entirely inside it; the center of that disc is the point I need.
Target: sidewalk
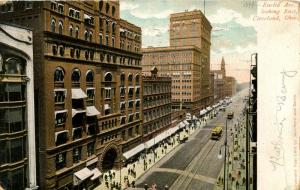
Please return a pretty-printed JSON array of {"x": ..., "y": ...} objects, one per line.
[
  {"x": 135, "y": 170},
  {"x": 236, "y": 168}
]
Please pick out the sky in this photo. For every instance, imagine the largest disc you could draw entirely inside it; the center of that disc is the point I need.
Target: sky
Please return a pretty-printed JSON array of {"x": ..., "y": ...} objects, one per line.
[{"x": 233, "y": 34}]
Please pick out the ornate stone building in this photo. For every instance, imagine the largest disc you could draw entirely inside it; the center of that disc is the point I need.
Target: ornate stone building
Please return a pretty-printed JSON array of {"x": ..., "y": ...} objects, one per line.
[
  {"x": 17, "y": 127},
  {"x": 87, "y": 87}
]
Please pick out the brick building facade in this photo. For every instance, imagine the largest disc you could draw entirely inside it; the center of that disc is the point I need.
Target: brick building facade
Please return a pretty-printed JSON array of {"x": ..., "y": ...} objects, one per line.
[{"x": 87, "y": 87}]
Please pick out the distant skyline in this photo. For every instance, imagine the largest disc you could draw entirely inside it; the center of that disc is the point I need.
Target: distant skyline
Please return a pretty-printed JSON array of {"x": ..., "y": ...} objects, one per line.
[{"x": 233, "y": 34}]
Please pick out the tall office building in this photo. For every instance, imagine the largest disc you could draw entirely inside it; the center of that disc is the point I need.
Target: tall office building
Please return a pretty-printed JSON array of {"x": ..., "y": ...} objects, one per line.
[
  {"x": 186, "y": 60},
  {"x": 87, "y": 87},
  {"x": 17, "y": 126}
]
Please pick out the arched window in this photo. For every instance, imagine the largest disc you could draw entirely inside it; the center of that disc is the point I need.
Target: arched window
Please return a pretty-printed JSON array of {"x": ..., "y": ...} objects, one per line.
[
  {"x": 75, "y": 75},
  {"x": 137, "y": 79},
  {"x": 113, "y": 11},
  {"x": 86, "y": 34},
  {"x": 90, "y": 76},
  {"x": 77, "y": 32},
  {"x": 108, "y": 77},
  {"x": 106, "y": 39},
  {"x": 130, "y": 78},
  {"x": 15, "y": 65},
  {"x": 107, "y": 8},
  {"x": 100, "y": 5},
  {"x": 59, "y": 74},
  {"x": 122, "y": 78},
  {"x": 60, "y": 27},
  {"x": 71, "y": 30},
  {"x": 53, "y": 23}
]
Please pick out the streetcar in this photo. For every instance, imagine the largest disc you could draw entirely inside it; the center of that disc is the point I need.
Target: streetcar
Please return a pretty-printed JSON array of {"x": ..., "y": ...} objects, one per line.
[{"x": 216, "y": 133}]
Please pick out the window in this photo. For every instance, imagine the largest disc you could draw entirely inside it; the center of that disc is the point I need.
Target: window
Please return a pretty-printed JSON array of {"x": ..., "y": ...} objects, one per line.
[
  {"x": 100, "y": 39},
  {"x": 75, "y": 75},
  {"x": 77, "y": 53},
  {"x": 61, "y": 137},
  {"x": 12, "y": 120},
  {"x": 107, "y": 109},
  {"x": 86, "y": 35},
  {"x": 107, "y": 8},
  {"x": 60, "y": 8},
  {"x": 113, "y": 11},
  {"x": 59, "y": 74},
  {"x": 77, "y": 14},
  {"x": 90, "y": 92},
  {"x": 86, "y": 54},
  {"x": 137, "y": 92},
  {"x": 60, "y": 161},
  {"x": 100, "y": 4},
  {"x": 137, "y": 79},
  {"x": 12, "y": 92},
  {"x": 106, "y": 39},
  {"x": 54, "y": 49},
  {"x": 122, "y": 106},
  {"x": 71, "y": 30},
  {"x": 123, "y": 120},
  {"x": 107, "y": 92},
  {"x": 60, "y": 27},
  {"x": 59, "y": 95},
  {"x": 113, "y": 27},
  {"x": 108, "y": 77},
  {"x": 77, "y": 132},
  {"x": 137, "y": 130},
  {"x": 91, "y": 55},
  {"x": 53, "y": 6},
  {"x": 60, "y": 117},
  {"x": 76, "y": 154},
  {"x": 90, "y": 148},
  {"x": 130, "y": 104},
  {"x": 108, "y": 57},
  {"x": 53, "y": 23},
  {"x": 137, "y": 115},
  {"x": 122, "y": 91},
  {"x": 137, "y": 104},
  {"x": 113, "y": 42},
  {"x": 90, "y": 76},
  {"x": 72, "y": 52},
  {"x": 13, "y": 179},
  {"x": 77, "y": 32},
  {"x": 122, "y": 79},
  {"x": 28, "y": 4},
  {"x": 91, "y": 36},
  {"x": 71, "y": 12},
  {"x": 130, "y": 78},
  {"x": 130, "y": 92},
  {"x": 61, "y": 50}
]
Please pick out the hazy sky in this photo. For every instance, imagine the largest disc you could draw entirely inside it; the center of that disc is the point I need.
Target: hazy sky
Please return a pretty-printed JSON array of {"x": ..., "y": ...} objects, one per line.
[{"x": 233, "y": 34}]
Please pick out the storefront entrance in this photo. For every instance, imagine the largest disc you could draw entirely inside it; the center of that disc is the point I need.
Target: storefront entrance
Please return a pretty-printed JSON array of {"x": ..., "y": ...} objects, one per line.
[{"x": 109, "y": 159}]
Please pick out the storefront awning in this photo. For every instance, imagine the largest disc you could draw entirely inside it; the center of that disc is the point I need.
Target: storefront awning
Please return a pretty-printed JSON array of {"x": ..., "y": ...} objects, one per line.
[
  {"x": 209, "y": 108},
  {"x": 74, "y": 112},
  {"x": 134, "y": 151},
  {"x": 77, "y": 93},
  {"x": 182, "y": 124},
  {"x": 194, "y": 117},
  {"x": 186, "y": 122},
  {"x": 92, "y": 161},
  {"x": 202, "y": 112},
  {"x": 82, "y": 175},
  {"x": 96, "y": 173},
  {"x": 92, "y": 111}
]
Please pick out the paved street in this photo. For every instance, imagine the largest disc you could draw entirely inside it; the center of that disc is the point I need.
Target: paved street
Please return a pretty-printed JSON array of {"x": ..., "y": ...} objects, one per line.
[{"x": 193, "y": 165}]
